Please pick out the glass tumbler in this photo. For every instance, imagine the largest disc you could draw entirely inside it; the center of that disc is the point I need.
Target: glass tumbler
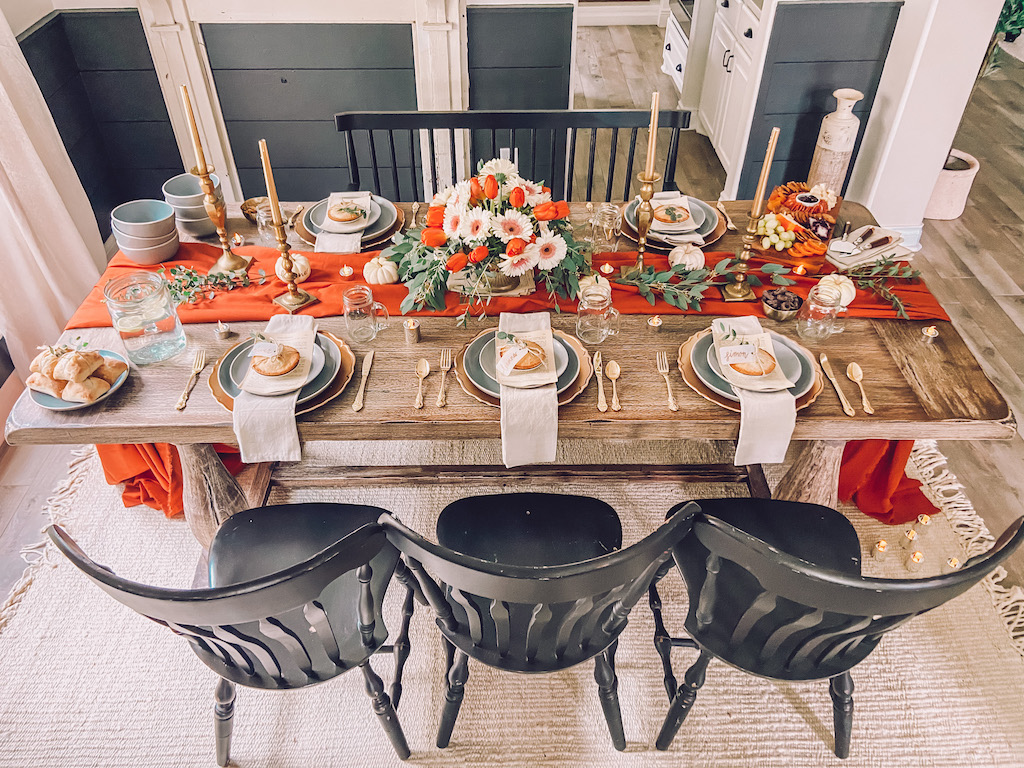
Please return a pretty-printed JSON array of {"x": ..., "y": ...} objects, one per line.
[
  {"x": 265, "y": 225},
  {"x": 364, "y": 317},
  {"x": 816, "y": 319},
  {"x": 596, "y": 319},
  {"x": 145, "y": 316},
  {"x": 607, "y": 228}
]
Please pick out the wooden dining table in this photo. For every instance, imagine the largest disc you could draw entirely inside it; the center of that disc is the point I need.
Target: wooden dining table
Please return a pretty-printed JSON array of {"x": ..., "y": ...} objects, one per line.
[{"x": 921, "y": 388}]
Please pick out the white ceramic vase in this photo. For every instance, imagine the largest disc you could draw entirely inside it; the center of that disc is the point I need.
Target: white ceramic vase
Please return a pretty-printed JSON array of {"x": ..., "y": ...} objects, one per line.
[
  {"x": 949, "y": 197},
  {"x": 836, "y": 138}
]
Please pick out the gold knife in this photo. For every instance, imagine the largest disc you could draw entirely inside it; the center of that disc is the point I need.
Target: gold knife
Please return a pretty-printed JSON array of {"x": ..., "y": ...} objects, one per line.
[
  {"x": 826, "y": 366},
  {"x": 367, "y": 362},
  {"x": 602, "y": 403}
]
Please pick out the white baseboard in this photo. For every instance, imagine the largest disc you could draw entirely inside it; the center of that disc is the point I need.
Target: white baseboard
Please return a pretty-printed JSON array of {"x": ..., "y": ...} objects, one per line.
[
  {"x": 911, "y": 236},
  {"x": 619, "y": 14}
]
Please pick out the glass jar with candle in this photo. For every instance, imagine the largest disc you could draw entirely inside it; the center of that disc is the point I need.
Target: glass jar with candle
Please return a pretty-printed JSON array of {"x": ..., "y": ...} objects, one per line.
[
  {"x": 596, "y": 318},
  {"x": 143, "y": 313},
  {"x": 364, "y": 317},
  {"x": 817, "y": 316},
  {"x": 607, "y": 228}
]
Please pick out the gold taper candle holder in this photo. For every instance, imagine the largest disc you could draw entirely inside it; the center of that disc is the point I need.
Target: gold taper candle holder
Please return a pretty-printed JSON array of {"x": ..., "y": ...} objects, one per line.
[
  {"x": 228, "y": 262},
  {"x": 296, "y": 298},
  {"x": 644, "y": 216}
]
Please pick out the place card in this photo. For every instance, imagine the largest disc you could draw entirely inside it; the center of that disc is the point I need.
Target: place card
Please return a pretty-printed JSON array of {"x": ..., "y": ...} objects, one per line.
[{"x": 748, "y": 361}]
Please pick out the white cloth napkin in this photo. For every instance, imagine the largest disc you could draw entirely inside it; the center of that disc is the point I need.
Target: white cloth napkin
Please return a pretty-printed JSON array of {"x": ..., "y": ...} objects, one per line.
[
  {"x": 529, "y": 417},
  {"x": 265, "y": 426},
  {"x": 767, "y": 419},
  {"x": 343, "y": 237},
  {"x": 679, "y": 200}
]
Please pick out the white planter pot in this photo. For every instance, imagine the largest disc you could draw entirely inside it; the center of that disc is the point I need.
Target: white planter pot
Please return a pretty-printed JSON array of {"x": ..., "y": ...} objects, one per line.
[{"x": 949, "y": 198}]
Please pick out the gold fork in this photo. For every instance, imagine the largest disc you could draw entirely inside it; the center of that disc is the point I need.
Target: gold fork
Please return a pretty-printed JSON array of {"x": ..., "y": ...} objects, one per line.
[
  {"x": 662, "y": 359},
  {"x": 446, "y": 365},
  {"x": 198, "y": 363}
]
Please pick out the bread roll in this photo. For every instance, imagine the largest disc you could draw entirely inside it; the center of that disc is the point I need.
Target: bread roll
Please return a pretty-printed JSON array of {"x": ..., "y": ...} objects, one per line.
[
  {"x": 46, "y": 360},
  {"x": 43, "y": 383},
  {"x": 77, "y": 366},
  {"x": 110, "y": 370},
  {"x": 84, "y": 391}
]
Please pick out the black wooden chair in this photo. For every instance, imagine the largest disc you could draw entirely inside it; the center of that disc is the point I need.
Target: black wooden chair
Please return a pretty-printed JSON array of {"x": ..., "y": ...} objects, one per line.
[
  {"x": 294, "y": 599},
  {"x": 532, "y": 583},
  {"x": 389, "y": 143},
  {"x": 775, "y": 589}
]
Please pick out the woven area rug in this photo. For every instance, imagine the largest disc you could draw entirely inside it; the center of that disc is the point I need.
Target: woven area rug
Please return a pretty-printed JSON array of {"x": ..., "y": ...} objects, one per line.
[{"x": 86, "y": 682}]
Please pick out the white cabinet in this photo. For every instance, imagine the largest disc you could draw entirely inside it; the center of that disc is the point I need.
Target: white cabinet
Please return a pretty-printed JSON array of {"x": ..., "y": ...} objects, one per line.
[
  {"x": 732, "y": 130},
  {"x": 712, "y": 98},
  {"x": 673, "y": 61},
  {"x": 724, "y": 93}
]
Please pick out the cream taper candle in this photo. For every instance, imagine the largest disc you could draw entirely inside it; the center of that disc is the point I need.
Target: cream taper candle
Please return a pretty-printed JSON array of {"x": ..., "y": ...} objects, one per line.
[
  {"x": 652, "y": 137},
  {"x": 193, "y": 130},
  {"x": 762, "y": 182},
  {"x": 268, "y": 174}
]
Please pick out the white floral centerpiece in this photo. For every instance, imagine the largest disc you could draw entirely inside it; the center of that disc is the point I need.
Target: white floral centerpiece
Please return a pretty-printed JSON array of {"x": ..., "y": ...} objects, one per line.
[{"x": 493, "y": 223}]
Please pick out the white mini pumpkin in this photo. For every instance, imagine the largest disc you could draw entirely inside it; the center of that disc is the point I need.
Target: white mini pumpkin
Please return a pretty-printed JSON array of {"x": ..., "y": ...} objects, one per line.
[
  {"x": 589, "y": 280},
  {"x": 689, "y": 255},
  {"x": 300, "y": 267},
  {"x": 847, "y": 290},
  {"x": 380, "y": 271}
]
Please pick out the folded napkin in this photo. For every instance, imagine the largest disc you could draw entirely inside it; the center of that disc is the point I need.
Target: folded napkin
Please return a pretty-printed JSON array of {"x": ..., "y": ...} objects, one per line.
[
  {"x": 679, "y": 201},
  {"x": 529, "y": 404},
  {"x": 343, "y": 237},
  {"x": 264, "y": 424},
  {"x": 767, "y": 418},
  {"x": 865, "y": 255}
]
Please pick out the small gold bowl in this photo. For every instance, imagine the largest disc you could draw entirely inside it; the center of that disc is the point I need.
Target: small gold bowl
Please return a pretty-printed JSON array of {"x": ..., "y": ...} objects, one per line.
[
  {"x": 249, "y": 207},
  {"x": 780, "y": 314}
]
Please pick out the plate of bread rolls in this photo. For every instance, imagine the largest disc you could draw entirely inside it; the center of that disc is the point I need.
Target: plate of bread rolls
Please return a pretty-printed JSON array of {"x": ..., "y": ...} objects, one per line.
[{"x": 65, "y": 379}]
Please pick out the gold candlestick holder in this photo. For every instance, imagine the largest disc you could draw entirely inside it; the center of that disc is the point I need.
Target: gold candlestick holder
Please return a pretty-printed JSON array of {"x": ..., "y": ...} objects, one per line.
[
  {"x": 229, "y": 262},
  {"x": 740, "y": 289},
  {"x": 296, "y": 298},
  {"x": 644, "y": 216}
]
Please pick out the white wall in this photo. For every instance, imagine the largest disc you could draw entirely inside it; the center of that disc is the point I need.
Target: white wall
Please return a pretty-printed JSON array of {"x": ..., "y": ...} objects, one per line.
[
  {"x": 22, "y": 14},
  {"x": 933, "y": 60},
  {"x": 302, "y": 10}
]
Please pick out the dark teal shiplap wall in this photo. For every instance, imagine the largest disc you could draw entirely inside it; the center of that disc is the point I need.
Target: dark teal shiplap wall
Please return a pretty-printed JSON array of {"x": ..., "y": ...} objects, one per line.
[
  {"x": 285, "y": 82},
  {"x": 97, "y": 76}
]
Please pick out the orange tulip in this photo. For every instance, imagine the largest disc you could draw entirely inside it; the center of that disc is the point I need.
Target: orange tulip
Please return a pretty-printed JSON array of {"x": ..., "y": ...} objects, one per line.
[
  {"x": 432, "y": 237},
  {"x": 491, "y": 187},
  {"x": 515, "y": 247},
  {"x": 545, "y": 189},
  {"x": 517, "y": 198},
  {"x": 562, "y": 209},
  {"x": 476, "y": 192},
  {"x": 456, "y": 262},
  {"x": 478, "y": 254},
  {"x": 545, "y": 212},
  {"x": 435, "y": 216}
]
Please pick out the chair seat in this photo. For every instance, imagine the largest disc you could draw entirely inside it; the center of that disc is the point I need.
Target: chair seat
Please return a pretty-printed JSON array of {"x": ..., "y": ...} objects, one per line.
[
  {"x": 531, "y": 529},
  {"x": 250, "y": 544},
  {"x": 817, "y": 534}
]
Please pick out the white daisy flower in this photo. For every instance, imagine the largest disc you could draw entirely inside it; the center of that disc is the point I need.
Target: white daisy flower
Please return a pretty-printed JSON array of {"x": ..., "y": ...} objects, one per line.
[
  {"x": 536, "y": 198},
  {"x": 454, "y": 215},
  {"x": 515, "y": 266},
  {"x": 496, "y": 166},
  {"x": 460, "y": 194},
  {"x": 551, "y": 249},
  {"x": 442, "y": 197},
  {"x": 511, "y": 224},
  {"x": 476, "y": 225}
]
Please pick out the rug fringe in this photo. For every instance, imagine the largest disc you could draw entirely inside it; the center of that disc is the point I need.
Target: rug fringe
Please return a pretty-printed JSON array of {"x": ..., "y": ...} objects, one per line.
[
  {"x": 37, "y": 555},
  {"x": 942, "y": 488}
]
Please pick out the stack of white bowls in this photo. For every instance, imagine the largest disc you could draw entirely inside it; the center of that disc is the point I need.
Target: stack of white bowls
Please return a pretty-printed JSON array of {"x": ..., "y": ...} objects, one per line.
[
  {"x": 185, "y": 195},
  {"x": 144, "y": 230}
]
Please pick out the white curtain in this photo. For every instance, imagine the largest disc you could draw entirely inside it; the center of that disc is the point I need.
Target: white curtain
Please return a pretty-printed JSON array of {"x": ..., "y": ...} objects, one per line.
[{"x": 49, "y": 243}]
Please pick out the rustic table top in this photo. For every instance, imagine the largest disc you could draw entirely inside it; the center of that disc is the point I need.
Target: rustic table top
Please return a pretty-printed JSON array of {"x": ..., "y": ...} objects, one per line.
[{"x": 919, "y": 389}]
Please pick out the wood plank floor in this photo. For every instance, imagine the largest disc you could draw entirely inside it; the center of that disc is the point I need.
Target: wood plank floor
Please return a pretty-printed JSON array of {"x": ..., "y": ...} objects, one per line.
[{"x": 975, "y": 264}]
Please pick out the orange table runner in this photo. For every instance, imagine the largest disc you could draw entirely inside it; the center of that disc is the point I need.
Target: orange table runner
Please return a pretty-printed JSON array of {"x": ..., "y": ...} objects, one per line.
[{"x": 872, "y": 471}]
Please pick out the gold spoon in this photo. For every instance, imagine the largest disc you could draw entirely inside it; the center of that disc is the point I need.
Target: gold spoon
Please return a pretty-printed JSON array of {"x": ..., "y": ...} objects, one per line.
[
  {"x": 856, "y": 375},
  {"x": 295, "y": 216},
  {"x": 611, "y": 370},
  {"x": 422, "y": 369}
]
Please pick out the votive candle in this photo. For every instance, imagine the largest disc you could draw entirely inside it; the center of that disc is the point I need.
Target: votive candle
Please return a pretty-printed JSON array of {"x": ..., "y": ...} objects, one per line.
[
  {"x": 193, "y": 130},
  {"x": 923, "y": 525},
  {"x": 606, "y": 269},
  {"x": 914, "y": 561},
  {"x": 654, "y": 322},
  {"x": 952, "y": 564},
  {"x": 929, "y": 332},
  {"x": 909, "y": 539},
  {"x": 799, "y": 269},
  {"x": 346, "y": 271},
  {"x": 412, "y": 331},
  {"x": 652, "y": 137},
  {"x": 881, "y": 550},
  {"x": 268, "y": 175}
]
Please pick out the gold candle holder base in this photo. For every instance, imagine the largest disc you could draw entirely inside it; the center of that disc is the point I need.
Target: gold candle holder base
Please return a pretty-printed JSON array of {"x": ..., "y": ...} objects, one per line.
[
  {"x": 295, "y": 298},
  {"x": 644, "y": 216},
  {"x": 229, "y": 263},
  {"x": 740, "y": 289},
  {"x": 294, "y": 303}
]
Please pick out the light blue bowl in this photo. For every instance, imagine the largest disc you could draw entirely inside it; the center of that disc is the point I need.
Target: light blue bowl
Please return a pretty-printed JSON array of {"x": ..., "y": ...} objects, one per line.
[
  {"x": 150, "y": 256},
  {"x": 144, "y": 218},
  {"x": 184, "y": 189}
]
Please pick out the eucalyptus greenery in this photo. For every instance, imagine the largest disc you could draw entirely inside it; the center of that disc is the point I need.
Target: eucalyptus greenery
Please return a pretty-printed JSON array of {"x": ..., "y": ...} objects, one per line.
[
  {"x": 878, "y": 277},
  {"x": 684, "y": 288},
  {"x": 187, "y": 286}
]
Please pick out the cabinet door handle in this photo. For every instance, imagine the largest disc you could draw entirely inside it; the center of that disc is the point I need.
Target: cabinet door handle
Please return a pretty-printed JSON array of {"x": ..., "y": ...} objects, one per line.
[
  {"x": 728, "y": 65},
  {"x": 679, "y": 67},
  {"x": 725, "y": 3},
  {"x": 725, "y": 55},
  {"x": 749, "y": 33}
]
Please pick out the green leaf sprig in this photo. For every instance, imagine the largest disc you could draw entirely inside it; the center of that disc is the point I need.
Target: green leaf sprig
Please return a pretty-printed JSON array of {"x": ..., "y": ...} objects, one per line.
[
  {"x": 684, "y": 288},
  {"x": 187, "y": 286}
]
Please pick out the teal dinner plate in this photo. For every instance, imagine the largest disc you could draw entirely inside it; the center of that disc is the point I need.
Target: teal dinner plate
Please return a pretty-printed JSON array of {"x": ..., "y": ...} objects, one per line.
[
  {"x": 51, "y": 403},
  {"x": 488, "y": 384},
  {"x": 707, "y": 225},
  {"x": 239, "y": 358},
  {"x": 488, "y": 362},
  {"x": 240, "y": 366},
  {"x": 313, "y": 218},
  {"x": 786, "y": 350}
]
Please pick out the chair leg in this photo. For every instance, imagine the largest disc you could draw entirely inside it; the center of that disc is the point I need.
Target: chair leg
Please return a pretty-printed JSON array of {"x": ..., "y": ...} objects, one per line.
[
  {"x": 841, "y": 688},
  {"x": 458, "y": 674},
  {"x": 608, "y": 690},
  {"x": 402, "y": 646},
  {"x": 662, "y": 639},
  {"x": 223, "y": 718},
  {"x": 684, "y": 698},
  {"x": 384, "y": 711}
]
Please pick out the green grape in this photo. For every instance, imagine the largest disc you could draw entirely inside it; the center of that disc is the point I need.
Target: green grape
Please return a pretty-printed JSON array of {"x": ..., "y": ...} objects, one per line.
[{"x": 766, "y": 242}]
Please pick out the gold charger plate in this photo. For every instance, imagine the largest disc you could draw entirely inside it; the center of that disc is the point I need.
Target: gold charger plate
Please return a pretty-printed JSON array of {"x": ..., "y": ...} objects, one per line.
[
  {"x": 693, "y": 381},
  {"x": 368, "y": 245},
  {"x": 660, "y": 246},
  {"x": 571, "y": 392},
  {"x": 335, "y": 388}
]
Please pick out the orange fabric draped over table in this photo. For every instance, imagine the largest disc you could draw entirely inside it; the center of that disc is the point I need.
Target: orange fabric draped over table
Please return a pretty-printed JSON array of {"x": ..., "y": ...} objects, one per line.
[{"x": 872, "y": 472}]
